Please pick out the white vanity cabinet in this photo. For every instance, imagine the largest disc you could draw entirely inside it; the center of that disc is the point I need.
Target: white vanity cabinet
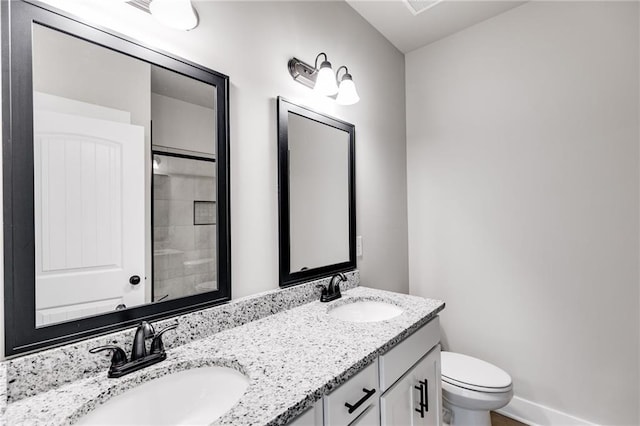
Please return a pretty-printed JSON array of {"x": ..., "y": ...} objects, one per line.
[
  {"x": 369, "y": 417},
  {"x": 400, "y": 388},
  {"x": 415, "y": 399},
  {"x": 410, "y": 380}
]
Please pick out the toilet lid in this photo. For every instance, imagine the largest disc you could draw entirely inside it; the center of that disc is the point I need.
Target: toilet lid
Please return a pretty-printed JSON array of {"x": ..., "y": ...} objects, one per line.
[{"x": 472, "y": 373}]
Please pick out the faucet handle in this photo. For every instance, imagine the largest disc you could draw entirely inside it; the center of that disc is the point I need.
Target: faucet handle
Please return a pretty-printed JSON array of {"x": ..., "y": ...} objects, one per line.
[
  {"x": 117, "y": 359},
  {"x": 156, "y": 344}
]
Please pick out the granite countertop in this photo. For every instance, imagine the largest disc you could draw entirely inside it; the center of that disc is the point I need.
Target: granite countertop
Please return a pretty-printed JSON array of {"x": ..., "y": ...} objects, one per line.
[{"x": 291, "y": 358}]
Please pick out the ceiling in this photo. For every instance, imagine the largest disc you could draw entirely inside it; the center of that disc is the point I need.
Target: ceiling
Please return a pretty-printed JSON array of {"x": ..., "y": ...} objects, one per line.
[
  {"x": 393, "y": 18},
  {"x": 409, "y": 31},
  {"x": 168, "y": 83}
]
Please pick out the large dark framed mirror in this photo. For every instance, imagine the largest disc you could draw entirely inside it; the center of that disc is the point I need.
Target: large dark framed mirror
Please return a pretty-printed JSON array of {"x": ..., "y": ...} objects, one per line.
[
  {"x": 116, "y": 181},
  {"x": 316, "y": 191}
]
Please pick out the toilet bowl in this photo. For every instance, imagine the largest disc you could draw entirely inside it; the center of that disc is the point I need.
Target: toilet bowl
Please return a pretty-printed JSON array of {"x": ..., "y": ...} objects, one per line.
[{"x": 471, "y": 388}]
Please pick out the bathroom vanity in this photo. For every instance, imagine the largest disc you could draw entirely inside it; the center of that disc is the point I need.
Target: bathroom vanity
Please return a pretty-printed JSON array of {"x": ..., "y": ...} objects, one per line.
[
  {"x": 302, "y": 363},
  {"x": 401, "y": 387}
]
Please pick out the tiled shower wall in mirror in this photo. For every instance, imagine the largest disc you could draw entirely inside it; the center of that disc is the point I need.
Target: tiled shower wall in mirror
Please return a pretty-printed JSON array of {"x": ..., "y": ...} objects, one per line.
[{"x": 184, "y": 226}]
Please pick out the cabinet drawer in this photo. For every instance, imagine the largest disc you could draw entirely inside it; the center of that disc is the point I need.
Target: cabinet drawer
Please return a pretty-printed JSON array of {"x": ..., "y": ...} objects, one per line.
[
  {"x": 403, "y": 356},
  {"x": 311, "y": 417},
  {"x": 361, "y": 390},
  {"x": 369, "y": 417}
]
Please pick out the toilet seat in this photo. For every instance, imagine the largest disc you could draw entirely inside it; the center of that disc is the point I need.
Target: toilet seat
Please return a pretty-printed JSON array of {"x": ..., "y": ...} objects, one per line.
[
  {"x": 473, "y": 374},
  {"x": 476, "y": 388}
]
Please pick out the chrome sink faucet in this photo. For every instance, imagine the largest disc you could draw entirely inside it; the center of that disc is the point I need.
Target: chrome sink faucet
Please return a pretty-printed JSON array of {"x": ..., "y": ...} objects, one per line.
[
  {"x": 332, "y": 291},
  {"x": 140, "y": 357},
  {"x": 143, "y": 332}
]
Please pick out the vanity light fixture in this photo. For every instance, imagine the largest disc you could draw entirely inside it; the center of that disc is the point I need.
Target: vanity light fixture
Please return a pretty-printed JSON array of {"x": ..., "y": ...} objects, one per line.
[
  {"x": 177, "y": 14},
  {"x": 322, "y": 80},
  {"x": 325, "y": 82},
  {"x": 347, "y": 94}
]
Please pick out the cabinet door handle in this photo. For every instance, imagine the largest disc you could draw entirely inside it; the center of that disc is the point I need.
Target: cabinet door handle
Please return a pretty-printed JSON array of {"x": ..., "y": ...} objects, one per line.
[
  {"x": 425, "y": 383},
  {"x": 421, "y": 405},
  {"x": 368, "y": 393},
  {"x": 424, "y": 397}
]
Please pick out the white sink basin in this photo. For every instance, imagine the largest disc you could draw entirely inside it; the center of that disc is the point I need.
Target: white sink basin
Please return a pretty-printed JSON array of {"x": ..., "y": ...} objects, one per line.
[
  {"x": 191, "y": 397},
  {"x": 365, "y": 311}
]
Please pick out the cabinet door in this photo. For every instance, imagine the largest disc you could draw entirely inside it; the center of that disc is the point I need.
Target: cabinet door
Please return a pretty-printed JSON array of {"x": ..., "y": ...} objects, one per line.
[{"x": 415, "y": 400}]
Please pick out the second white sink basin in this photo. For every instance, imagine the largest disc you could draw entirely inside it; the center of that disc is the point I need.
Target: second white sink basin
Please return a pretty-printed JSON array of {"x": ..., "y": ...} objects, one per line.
[
  {"x": 365, "y": 311},
  {"x": 191, "y": 397}
]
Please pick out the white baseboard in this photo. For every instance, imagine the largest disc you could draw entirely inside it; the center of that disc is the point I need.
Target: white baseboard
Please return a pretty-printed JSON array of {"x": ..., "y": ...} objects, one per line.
[{"x": 539, "y": 415}]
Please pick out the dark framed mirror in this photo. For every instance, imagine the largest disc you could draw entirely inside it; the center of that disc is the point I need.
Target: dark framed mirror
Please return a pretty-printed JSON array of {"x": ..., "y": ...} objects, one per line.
[
  {"x": 316, "y": 191},
  {"x": 116, "y": 181}
]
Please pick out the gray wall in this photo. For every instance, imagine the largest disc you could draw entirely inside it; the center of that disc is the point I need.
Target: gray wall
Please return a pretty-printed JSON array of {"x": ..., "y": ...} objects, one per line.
[
  {"x": 523, "y": 179},
  {"x": 182, "y": 125},
  {"x": 252, "y": 42},
  {"x": 75, "y": 69}
]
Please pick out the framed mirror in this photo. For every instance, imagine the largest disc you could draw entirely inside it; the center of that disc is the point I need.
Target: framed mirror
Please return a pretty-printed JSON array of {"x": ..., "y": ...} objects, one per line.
[
  {"x": 116, "y": 181},
  {"x": 316, "y": 189}
]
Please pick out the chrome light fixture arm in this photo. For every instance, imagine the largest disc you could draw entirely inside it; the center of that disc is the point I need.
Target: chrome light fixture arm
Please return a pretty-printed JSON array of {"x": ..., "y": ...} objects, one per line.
[
  {"x": 346, "y": 73},
  {"x": 326, "y": 60},
  {"x": 307, "y": 74},
  {"x": 317, "y": 78}
]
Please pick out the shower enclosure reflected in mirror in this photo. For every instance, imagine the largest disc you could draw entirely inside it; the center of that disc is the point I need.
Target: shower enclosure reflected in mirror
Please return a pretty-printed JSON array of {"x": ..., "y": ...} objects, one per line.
[
  {"x": 184, "y": 225},
  {"x": 317, "y": 194},
  {"x": 111, "y": 175}
]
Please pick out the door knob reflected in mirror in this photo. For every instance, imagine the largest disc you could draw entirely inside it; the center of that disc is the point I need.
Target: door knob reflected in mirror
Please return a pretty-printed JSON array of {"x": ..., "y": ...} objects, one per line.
[{"x": 134, "y": 280}]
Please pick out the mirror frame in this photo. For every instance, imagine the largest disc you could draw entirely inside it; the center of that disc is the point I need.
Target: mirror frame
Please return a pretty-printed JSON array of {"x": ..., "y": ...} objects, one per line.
[
  {"x": 288, "y": 278},
  {"x": 21, "y": 334}
]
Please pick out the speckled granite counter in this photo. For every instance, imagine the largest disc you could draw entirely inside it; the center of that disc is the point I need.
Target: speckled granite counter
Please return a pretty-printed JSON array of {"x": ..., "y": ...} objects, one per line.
[
  {"x": 29, "y": 375},
  {"x": 292, "y": 358}
]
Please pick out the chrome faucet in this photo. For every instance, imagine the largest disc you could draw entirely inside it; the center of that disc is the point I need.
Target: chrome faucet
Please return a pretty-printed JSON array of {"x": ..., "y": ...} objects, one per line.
[
  {"x": 140, "y": 358},
  {"x": 143, "y": 332},
  {"x": 332, "y": 291}
]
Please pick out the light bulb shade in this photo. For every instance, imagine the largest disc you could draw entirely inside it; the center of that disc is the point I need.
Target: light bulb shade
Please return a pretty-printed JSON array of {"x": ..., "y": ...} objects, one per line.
[
  {"x": 178, "y": 14},
  {"x": 347, "y": 94},
  {"x": 326, "y": 81}
]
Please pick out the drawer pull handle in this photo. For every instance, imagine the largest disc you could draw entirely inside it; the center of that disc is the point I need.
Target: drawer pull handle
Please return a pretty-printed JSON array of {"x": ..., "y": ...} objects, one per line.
[
  {"x": 368, "y": 393},
  {"x": 424, "y": 397}
]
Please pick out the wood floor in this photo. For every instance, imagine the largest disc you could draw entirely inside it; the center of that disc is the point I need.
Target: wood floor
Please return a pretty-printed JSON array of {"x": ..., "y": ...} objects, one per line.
[{"x": 500, "y": 420}]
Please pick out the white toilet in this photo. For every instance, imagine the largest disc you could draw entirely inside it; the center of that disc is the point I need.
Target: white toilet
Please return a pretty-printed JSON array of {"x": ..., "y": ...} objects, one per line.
[{"x": 471, "y": 388}]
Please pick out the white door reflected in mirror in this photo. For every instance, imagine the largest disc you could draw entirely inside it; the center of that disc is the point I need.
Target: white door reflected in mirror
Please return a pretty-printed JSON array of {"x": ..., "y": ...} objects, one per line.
[
  {"x": 89, "y": 225},
  {"x": 113, "y": 231}
]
